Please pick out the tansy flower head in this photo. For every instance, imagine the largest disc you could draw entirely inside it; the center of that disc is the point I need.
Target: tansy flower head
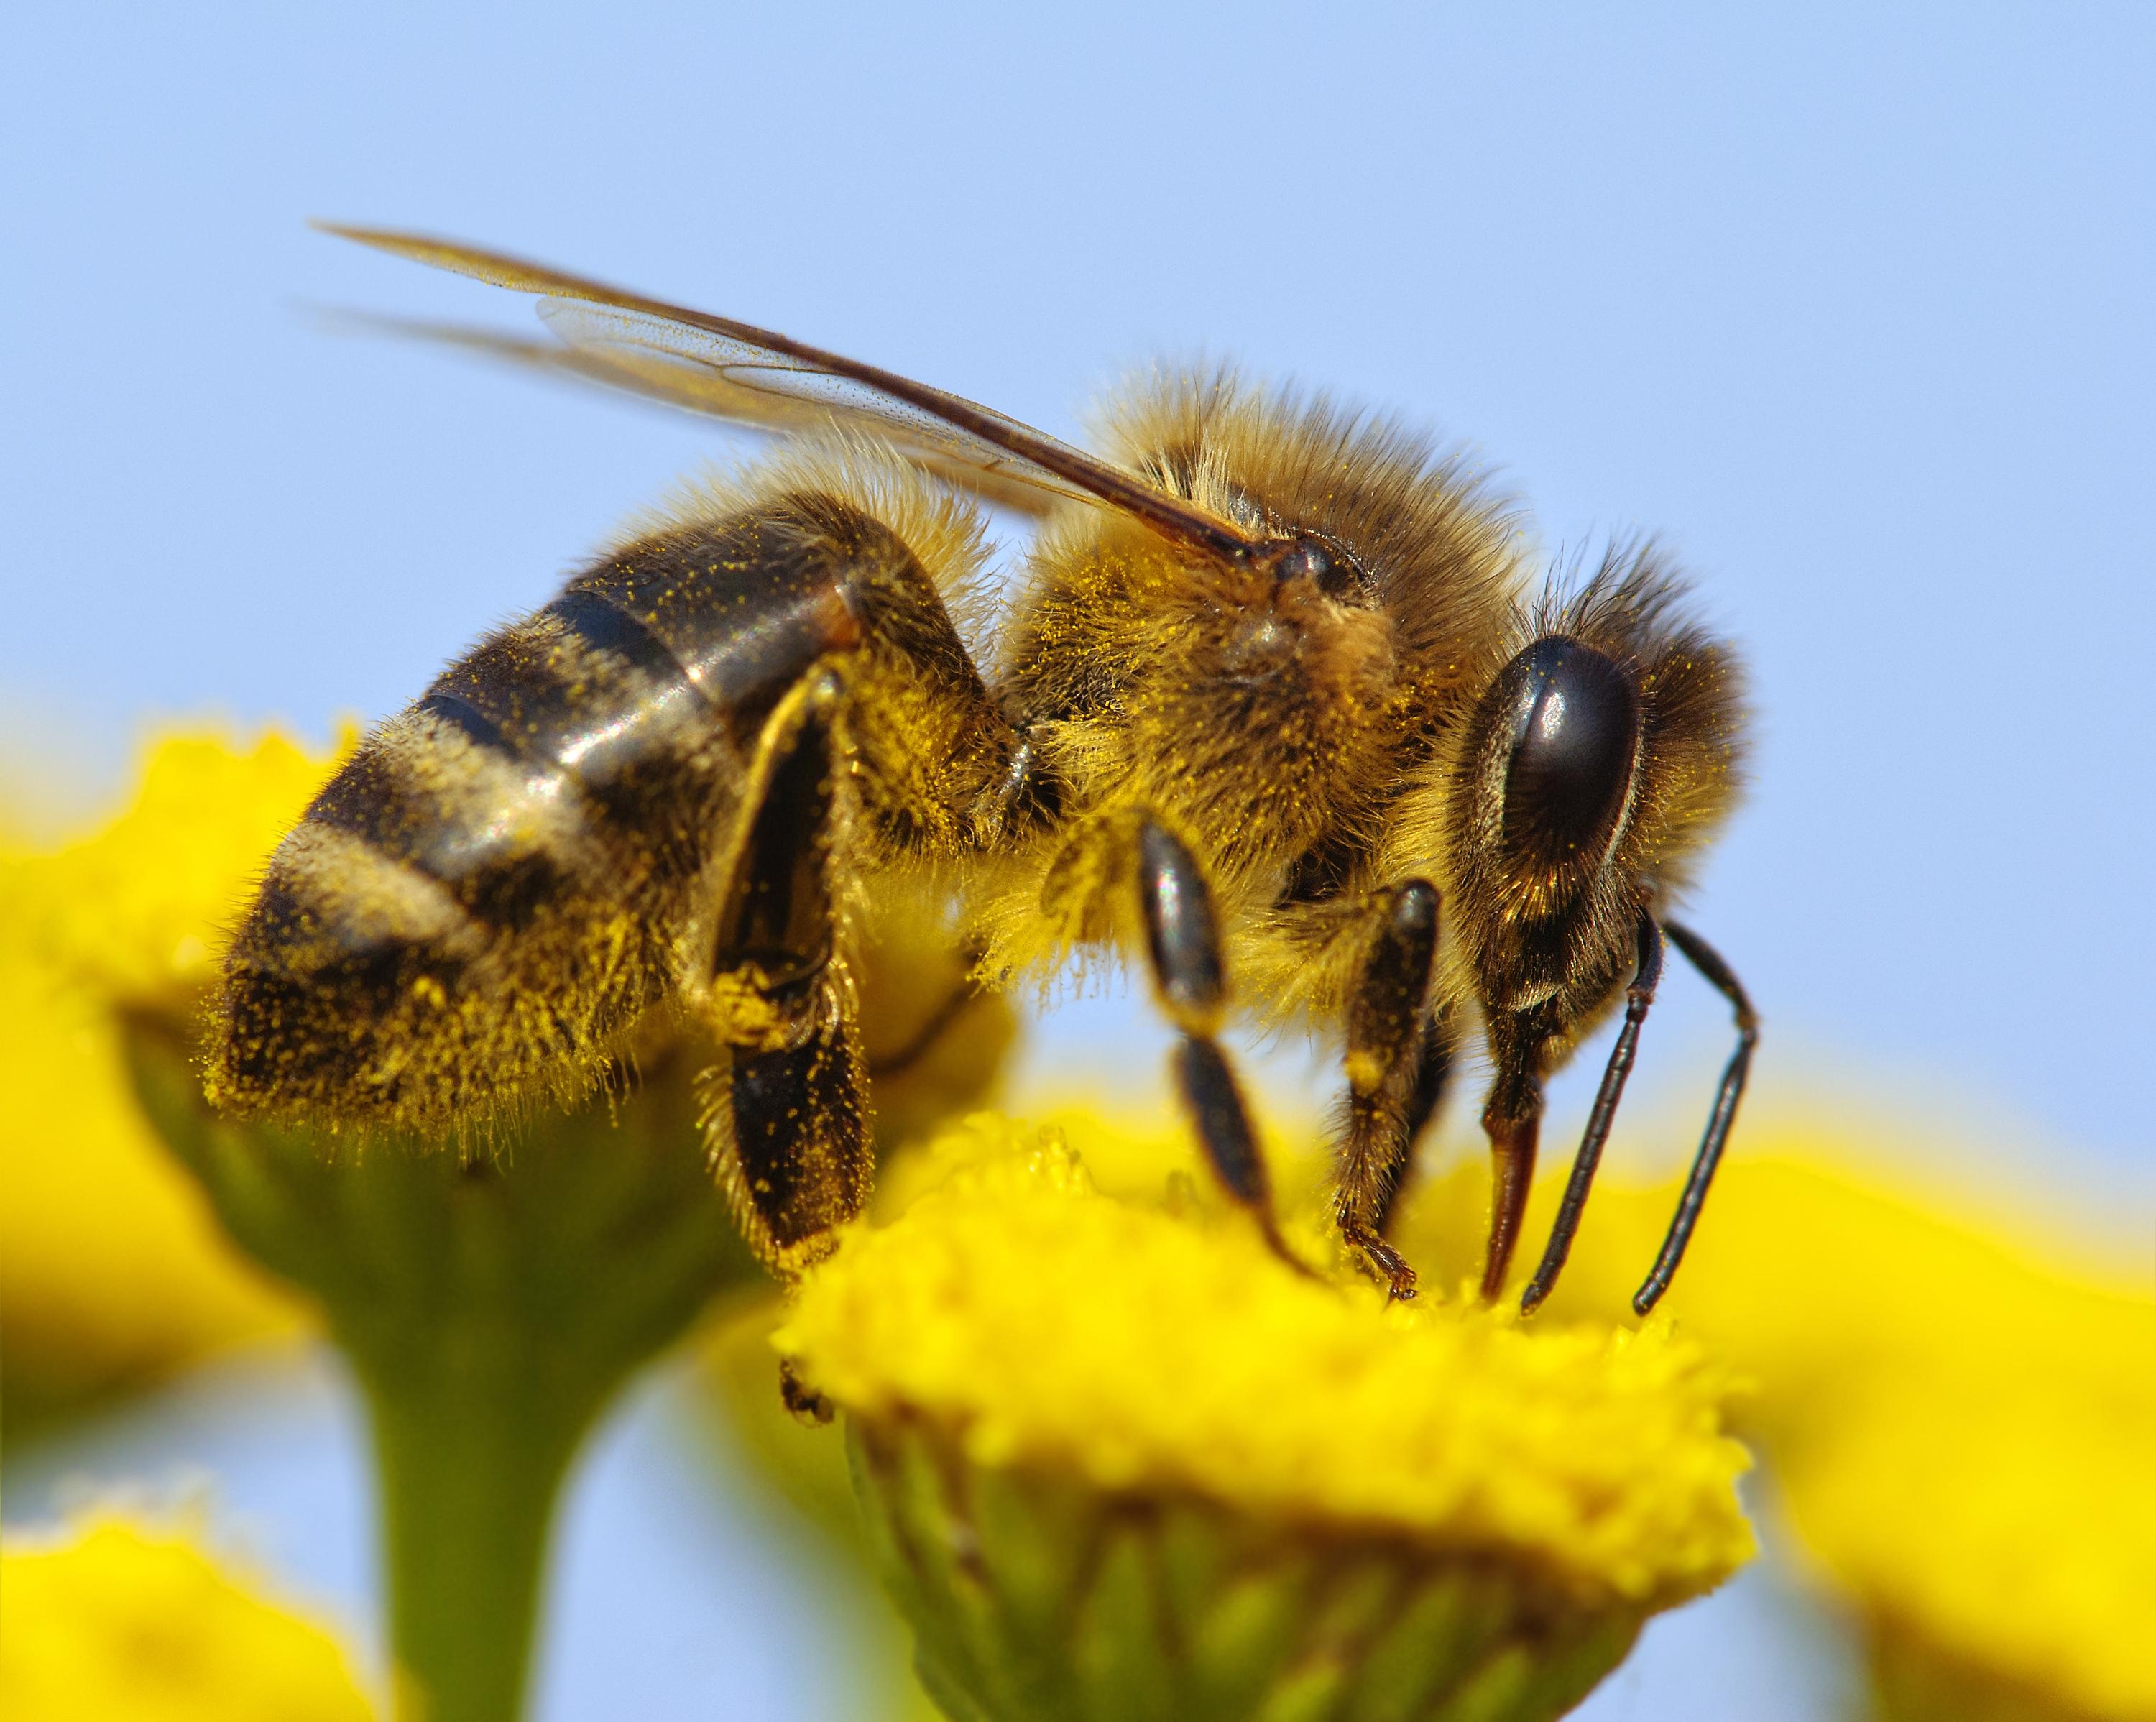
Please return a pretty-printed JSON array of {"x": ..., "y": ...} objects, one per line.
[
  {"x": 489, "y": 1309},
  {"x": 141, "y": 907},
  {"x": 116, "y": 1621},
  {"x": 2000, "y": 1547},
  {"x": 1961, "y": 1428},
  {"x": 1106, "y": 1445},
  {"x": 110, "y": 1269}
]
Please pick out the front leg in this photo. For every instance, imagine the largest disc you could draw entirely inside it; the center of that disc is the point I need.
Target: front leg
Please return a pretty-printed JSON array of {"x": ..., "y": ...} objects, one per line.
[{"x": 1394, "y": 1066}]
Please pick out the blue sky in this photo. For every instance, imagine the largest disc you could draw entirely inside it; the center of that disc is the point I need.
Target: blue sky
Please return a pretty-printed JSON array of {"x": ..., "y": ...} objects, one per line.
[{"x": 1852, "y": 307}]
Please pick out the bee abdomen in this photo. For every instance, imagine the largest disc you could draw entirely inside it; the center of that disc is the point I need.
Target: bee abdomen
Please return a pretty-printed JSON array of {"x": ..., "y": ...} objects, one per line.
[
  {"x": 451, "y": 926},
  {"x": 598, "y": 719},
  {"x": 487, "y": 893},
  {"x": 491, "y": 889}
]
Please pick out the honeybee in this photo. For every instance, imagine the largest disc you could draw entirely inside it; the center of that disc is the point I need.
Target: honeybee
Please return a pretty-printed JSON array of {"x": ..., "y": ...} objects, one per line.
[{"x": 1274, "y": 702}]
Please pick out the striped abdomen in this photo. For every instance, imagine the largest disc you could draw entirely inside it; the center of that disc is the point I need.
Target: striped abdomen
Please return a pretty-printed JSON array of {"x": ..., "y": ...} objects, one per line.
[{"x": 493, "y": 887}]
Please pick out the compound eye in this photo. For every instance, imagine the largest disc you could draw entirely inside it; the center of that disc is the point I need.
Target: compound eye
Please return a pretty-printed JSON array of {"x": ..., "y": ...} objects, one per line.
[{"x": 1575, "y": 731}]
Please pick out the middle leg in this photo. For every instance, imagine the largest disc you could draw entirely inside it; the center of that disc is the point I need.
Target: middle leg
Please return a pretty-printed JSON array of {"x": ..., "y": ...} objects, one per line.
[{"x": 1182, "y": 944}]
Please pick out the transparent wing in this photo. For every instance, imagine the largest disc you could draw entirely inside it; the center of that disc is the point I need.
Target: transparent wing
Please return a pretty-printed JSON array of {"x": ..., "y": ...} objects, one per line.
[
  {"x": 662, "y": 377},
  {"x": 732, "y": 379},
  {"x": 731, "y": 370}
]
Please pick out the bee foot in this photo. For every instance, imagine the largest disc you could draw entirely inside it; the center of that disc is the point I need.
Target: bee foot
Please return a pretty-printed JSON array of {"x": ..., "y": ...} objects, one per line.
[{"x": 1387, "y": 1262}]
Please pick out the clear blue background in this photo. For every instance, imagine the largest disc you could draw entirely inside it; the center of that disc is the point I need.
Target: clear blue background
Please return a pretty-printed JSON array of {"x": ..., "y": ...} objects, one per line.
[{"x": 1854, "y": 308}]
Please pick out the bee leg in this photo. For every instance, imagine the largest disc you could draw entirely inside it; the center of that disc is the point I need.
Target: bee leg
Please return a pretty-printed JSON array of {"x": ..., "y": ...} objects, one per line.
[
  {"x": 786, "y": 1107},
  {"x": 1511, "y": 1118},
  {"x": 1183, "y": 942},
  {"x": 1717, "y": 973},
  {"x": 1435, "y": 1053},
  {"x": 1637, "y": 998},
  {"x": 1388, "y": 1028}
]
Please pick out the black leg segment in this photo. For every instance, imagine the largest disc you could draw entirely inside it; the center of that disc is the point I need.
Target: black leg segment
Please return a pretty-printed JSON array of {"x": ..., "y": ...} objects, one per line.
[
  {"x": 1717, "y": 973},
  {"x": 787, "y": 1107},
  {"x": 800, "y": 1137},
  {"x": 1182, "y": 938},
  {"x": 1182, "y": 944},
  {"x": 1435, "y": 1056},
  {"x": 1387, "y": 1033},
  {"x": 1216, "y": 1109},
  {"x": 1638, "y": 997}
]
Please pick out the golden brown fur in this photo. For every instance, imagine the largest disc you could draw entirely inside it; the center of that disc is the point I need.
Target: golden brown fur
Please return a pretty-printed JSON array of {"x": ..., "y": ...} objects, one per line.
[
  {"x": 1258, "y": 726},
  {"x": 1275, "y": 697}
]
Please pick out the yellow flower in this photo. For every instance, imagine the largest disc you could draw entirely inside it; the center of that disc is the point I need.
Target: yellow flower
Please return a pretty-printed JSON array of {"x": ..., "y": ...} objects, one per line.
[
  {"x": 490, "y": 1308},
  {"x": 136, "y": 1625},
  {"x": 141, "y": 907},
  {"x": 1961, "y": 1432},
  {"x": 1119, "y": 1460},
  {"x": 109, "y": 1267},
  {"x": 2001, "y": 1541}
]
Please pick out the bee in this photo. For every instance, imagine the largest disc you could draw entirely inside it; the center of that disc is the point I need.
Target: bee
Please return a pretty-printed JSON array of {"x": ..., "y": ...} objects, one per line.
[{"x": 1274, "y": 701}]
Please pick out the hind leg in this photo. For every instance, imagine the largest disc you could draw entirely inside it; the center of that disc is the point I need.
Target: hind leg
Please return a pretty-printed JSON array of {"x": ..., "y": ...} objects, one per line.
[{"x": 785, "y": 1108}]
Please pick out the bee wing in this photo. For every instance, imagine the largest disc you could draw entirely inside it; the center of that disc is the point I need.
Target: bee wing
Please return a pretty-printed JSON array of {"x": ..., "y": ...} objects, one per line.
[
  {"x": 733, "y": 370},
  {"x": 664, "y": 378},
  {"x": 727, "y": 378}
]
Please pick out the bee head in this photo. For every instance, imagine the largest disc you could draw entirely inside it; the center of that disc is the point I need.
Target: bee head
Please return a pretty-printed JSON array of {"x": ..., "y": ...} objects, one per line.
[{"x": 1597, "y": 761}]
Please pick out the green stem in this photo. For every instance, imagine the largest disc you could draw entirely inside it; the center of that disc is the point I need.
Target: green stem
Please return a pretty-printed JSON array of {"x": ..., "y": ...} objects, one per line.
[
  {"x": 490, "y": 1307},
  {"x": 470, "y": 1462}
]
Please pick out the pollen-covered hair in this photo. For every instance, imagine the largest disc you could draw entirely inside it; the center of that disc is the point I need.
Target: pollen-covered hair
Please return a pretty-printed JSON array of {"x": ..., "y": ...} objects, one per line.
[{"x": 1439, "y": 543}]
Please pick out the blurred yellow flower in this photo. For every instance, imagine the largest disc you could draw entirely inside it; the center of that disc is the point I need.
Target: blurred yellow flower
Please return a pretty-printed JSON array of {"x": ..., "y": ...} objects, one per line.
[
  {"x": 110, "y": 1268},
  {"x": 1961, "y": 1432},
  {"x": 119, "y": 1623},
  {"x": 2001, "y": 1541},
  {"x": 1392, "y": 1501},
  {"x": 140, "y": 907}
]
